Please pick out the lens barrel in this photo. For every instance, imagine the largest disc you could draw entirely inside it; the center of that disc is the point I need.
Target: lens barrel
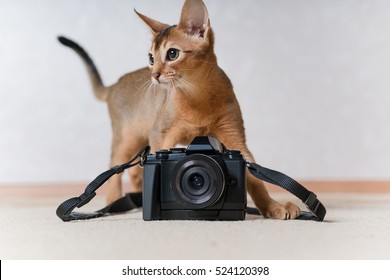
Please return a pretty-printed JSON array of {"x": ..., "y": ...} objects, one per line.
[{"x": 198, "y": 181}]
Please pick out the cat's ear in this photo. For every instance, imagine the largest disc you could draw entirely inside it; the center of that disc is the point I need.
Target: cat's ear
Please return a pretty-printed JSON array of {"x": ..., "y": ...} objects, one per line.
[
  {"x": 194, "y": 18},
  {"x": 154, "y": 25}
]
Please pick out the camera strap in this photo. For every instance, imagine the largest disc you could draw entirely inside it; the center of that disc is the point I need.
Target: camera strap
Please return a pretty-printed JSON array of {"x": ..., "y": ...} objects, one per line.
[
  {"x": 134, "y": 200},
  {"x": 126, "y": 203},
  {"x": 317, "y": 209}
]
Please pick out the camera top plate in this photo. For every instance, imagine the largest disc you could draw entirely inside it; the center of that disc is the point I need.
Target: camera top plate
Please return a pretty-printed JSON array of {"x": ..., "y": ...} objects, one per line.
[{"x": 206, "y": 145}]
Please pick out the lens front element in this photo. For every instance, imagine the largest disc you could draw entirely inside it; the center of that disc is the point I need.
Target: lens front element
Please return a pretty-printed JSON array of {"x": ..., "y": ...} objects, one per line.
[{"x": 198, "y": 181}]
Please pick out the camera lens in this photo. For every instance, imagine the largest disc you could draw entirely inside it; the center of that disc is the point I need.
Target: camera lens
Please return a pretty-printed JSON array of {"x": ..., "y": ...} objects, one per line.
[
  {"x": 198, "y": 181},
  {"x": 195, "y": 182}
]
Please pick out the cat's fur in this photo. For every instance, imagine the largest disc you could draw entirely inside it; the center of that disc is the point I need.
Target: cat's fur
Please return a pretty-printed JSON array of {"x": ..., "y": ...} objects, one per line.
[{"x": 182, "y": 94}]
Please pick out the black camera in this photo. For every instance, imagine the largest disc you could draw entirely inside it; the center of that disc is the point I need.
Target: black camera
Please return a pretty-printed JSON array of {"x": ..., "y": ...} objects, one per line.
[{"x": 203, "y": 182}]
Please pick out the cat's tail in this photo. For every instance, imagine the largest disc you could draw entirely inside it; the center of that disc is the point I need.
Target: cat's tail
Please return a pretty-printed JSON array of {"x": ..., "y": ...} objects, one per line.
[{"x": 101, "y": 92}]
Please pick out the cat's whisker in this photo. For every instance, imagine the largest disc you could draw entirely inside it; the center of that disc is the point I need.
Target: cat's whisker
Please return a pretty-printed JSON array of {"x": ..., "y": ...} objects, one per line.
[
  {"x": 187, "y": 84},
  {"x": 142, "y": 78},
  {"x": 148, "y": 86},
  {"x": 175, "y": 84},
  {"x": 184, "y": 86},
  {"x": 189, "y": 69},
  {"x": 145, "y": 87},
  {"x": 205, "y": 61}
]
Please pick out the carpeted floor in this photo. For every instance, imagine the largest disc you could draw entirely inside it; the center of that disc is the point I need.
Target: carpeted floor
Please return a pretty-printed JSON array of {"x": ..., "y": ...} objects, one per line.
[{"x": 357, "y": 226}]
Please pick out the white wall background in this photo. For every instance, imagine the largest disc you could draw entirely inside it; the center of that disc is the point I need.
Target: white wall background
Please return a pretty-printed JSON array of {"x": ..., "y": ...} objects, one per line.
[{"x": 312, "y": 77}]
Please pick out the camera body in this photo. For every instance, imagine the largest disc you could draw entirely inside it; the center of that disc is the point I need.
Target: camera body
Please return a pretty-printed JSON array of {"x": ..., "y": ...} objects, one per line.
[{"x": 204, "y": 181}]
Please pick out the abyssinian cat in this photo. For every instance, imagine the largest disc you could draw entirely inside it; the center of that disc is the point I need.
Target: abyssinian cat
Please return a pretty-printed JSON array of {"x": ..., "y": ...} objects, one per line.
[{"x": 182, "y": 94}]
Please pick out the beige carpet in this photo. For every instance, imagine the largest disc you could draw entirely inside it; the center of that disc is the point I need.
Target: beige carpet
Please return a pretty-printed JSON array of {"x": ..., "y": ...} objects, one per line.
[{"x": 357, "y": 226}]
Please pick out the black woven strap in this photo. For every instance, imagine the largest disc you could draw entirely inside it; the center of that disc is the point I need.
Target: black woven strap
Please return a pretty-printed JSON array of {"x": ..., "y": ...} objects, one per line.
[
  {"x": 126, "y": 203},
  {"x": 317, "y": 209}
]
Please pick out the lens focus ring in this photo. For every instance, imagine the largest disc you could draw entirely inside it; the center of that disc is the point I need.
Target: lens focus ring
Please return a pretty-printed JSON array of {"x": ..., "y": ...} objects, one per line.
[{"x": 198, "y": 181}]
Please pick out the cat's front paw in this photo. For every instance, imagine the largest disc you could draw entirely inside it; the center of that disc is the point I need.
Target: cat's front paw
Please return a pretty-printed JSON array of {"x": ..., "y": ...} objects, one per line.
[{"x": 278, "y": 211}]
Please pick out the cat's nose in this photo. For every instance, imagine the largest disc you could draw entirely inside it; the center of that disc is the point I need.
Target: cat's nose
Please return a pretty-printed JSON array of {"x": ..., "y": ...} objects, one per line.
[{"x": 156, "y": 76}]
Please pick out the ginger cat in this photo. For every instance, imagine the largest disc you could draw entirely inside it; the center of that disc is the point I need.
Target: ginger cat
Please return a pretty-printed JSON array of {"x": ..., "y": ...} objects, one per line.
[{"x": 182, "y": 94}]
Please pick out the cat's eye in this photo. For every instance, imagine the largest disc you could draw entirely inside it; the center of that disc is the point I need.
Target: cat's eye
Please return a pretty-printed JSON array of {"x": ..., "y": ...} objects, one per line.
[
  {"x": 151, "y": 59},
  {"x": 172, "y": 54}
]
